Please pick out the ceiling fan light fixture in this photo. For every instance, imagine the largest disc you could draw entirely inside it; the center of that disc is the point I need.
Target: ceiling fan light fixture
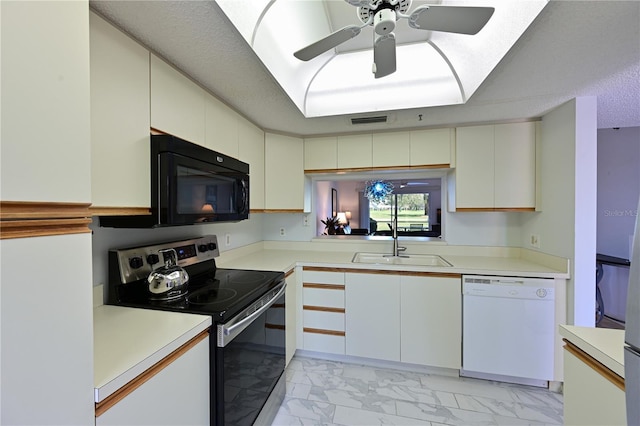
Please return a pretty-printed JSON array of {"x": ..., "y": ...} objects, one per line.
[{"x": 384, "y": 21}]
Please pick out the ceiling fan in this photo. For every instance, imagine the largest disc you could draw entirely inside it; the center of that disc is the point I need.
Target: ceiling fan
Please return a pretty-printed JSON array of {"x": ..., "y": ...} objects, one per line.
[{"x": 383, "y": 14}]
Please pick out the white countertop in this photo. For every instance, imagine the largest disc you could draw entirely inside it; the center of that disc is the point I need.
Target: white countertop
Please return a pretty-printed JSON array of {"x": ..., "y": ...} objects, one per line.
[
  {"x": 128, "y": 341},
  {"x": 284, "y": 260},
  {"x": 603, "y": 344}
]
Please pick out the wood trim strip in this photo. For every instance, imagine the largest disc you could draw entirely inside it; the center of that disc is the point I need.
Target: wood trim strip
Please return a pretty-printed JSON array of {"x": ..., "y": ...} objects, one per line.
[
  {"x": 274, "y": 326},
  {"x": 154, "y": 131},
  {"x": 24, "y": 219},
  {"x": 12, "y": 210},
  {"x": 256, "y": 211},
  {"x": 123, "y": 392},
  {"x": 433, "y": 166},
  {"x": 594, "y": 364},
  {"x": 409, "y": 273},
  {"x": 283, "y": 211},
  {"x": 289, "y": 273},
  {"x": 378, "y": 169},
  {"x": 323, "y": 269},
  {"x": 321, "y": 331},
  {"x": 324, "y": 286},
  {"x": 278, "y": 305},
  {"x": 43, "y": 227},
  {"x": 381, "y": 272},
  {"x": 494, "y": 209},
  {"x": 323, "y": 309},
  {"x": 119, "y": 211}
]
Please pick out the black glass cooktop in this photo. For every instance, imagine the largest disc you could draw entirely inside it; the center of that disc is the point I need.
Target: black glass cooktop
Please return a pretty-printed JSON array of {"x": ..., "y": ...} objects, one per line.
[{"x": 221, "y": 294}]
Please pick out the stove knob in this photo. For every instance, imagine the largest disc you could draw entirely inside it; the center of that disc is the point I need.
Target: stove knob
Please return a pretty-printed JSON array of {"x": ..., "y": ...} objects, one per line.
[
  {"x": 135, "y": 262},
  {"x": 152, "y": 259},
  {"x": 212, "y": 246},
  {"x": 202, "y": 248}
]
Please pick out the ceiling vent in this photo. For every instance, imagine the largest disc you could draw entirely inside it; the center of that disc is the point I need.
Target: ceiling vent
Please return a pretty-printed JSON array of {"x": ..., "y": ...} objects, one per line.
[{"x": 369, "y": 120}]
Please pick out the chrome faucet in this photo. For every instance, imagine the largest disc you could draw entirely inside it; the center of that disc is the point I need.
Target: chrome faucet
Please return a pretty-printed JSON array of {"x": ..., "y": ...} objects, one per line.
[{"x": 394, "y": 231}]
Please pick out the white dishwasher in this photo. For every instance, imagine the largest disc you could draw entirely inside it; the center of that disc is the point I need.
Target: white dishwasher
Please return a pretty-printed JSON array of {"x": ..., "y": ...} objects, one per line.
[{"x": 508, "y": 328}]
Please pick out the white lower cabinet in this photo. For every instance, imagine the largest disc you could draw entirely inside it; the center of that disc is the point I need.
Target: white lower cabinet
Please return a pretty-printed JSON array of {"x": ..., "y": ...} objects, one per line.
[
  {"x": 590, "y": 395},
  {"x": 323, "y": 311},
  {"x": 176, "y": 395},
  {"x": 290, "y": 316},
  {"x": 408, "y": 317},
  {"x": 373, "y": 316},
  {"x": 431, "y": 321}
]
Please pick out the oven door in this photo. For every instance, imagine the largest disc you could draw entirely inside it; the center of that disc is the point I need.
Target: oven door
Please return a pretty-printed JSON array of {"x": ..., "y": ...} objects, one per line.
[
  {"x": 250, "y": 360},
  {"x": 192, "y": 191}
]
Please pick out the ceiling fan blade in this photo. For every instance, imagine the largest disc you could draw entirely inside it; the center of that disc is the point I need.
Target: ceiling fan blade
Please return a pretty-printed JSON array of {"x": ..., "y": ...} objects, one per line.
[
  {"x": 384, "y": 55},
  {"x": 358, "y": 3},
  {"x": 450, "y": 19},
  {"x": 327, "y": 43}
]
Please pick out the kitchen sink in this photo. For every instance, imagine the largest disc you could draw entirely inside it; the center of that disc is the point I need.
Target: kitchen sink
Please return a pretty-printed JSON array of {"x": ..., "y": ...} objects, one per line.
[{"x": 387, "y": 259}]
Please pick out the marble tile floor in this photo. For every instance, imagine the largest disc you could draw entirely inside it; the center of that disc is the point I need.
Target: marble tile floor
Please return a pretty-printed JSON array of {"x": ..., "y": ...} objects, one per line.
[{"x": 323, "y": 392}]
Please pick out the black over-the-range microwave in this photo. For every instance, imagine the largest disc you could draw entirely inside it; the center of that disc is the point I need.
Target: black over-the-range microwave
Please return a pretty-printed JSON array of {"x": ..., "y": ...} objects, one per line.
[{"x": 190, "y": 184}]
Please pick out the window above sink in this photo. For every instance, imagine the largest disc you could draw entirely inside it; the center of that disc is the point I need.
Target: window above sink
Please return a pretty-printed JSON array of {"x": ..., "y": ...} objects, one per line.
[{"x": 419, "y": 197}]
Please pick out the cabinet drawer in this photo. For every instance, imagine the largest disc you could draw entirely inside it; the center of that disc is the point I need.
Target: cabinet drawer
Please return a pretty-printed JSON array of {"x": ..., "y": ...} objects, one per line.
[
  {"x": 323, "y": 320},
  {"x": 322, "y": 277},
  {"x": 329, "y": 297},
  {"x": 323, "y": 343}
]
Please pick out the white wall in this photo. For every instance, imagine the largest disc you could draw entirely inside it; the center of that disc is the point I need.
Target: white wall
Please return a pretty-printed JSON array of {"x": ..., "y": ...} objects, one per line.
[
  {"x": 618, "y": 189},
  {"x": 499, "y": 229},
  {"x": 566, "y": 222},
  {"x": 618, "y": 192},
  {"x": 293, "y": 225},
  {"x": 349, "y": 200}
]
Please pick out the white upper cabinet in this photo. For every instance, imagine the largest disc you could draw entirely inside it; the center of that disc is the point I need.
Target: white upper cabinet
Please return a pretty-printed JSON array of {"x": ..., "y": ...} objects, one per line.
[
  {"x": 495, "y": 167},
  {"x": 355, "y": 151},
  {"x": 474, "y": 167},
  {"x": 45, "y": 102},
  {"x": 432, "y": 147},
  {"x": 119, "y": 118},
  {"x": 515, "y": 165},
  {"x": 415, "y": 149},
  {"x": 391, "y": 149},
  {"x": 177, "y": 103},
  {"x": 251, "y": 151},
  {"x": 321, "y": 153},
  {"x": 284, "y": 173},
  {"x": 221, "y": 127}
]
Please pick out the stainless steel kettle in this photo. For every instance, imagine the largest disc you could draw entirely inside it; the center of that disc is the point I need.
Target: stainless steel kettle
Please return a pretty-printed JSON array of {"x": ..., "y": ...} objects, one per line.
[{"x": 168, "y": 281}]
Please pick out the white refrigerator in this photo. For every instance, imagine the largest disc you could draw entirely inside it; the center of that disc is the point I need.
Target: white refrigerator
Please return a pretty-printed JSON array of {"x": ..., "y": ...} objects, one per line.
[{"x": 632, "y": 332}]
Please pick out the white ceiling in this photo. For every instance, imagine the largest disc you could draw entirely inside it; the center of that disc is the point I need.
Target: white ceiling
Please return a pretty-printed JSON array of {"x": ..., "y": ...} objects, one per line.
[
  {"x": 573, "y": 48},
  {"x": 434, "y": 68}
]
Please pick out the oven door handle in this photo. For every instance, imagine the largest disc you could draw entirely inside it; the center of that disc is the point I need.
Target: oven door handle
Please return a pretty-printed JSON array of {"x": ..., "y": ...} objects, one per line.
[{"x": 235, "y": 329}]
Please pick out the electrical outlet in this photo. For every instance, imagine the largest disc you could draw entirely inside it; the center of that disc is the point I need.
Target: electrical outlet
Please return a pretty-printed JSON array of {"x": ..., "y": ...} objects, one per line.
[
  {"x": 535, "y": 240},
  {"x": 282, "y": 232},
  {"x": 305, "y": 220},
  {"x": 227, "y": 239}
]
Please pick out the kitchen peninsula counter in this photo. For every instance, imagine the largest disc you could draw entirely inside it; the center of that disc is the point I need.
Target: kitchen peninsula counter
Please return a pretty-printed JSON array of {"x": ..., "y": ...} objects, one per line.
[
  {"x": 604, "y": 345},
  {"x": 129, "y": 341},
  {"x": 594, "y": 388}
]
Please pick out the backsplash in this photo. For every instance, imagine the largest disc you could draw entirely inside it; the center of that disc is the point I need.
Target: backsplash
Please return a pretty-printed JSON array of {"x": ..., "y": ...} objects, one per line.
[{"x": 240, "y": 234}]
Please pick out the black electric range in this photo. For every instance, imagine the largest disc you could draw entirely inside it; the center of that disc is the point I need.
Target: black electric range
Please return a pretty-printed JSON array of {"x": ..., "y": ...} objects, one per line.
[{"x": 247, "y": 309}]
